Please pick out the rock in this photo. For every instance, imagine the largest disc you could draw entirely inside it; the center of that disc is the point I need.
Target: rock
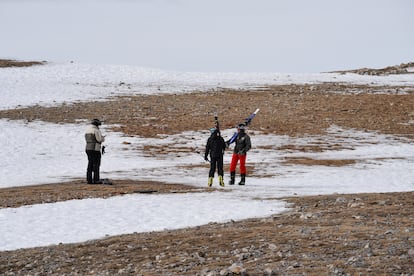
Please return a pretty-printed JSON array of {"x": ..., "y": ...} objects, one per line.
[
  {"x": 269, "y": 272},
  {"x": 272, "y": 246},
  {"x": 238, "y": 269},
  {"x": 306, "y": 216},
  {"x": 356, "y": 204},
  {"x": 207, "y": 272},
  {"x": 305, "y": 231},
  {"x": 341, "y": 200},
  {"x": 390, "y": 232},
  {"x": 224, "y": 272}
]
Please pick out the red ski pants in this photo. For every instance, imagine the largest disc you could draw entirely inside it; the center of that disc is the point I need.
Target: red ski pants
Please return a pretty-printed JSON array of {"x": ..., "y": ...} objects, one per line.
[{"x": 234, "y": 159}]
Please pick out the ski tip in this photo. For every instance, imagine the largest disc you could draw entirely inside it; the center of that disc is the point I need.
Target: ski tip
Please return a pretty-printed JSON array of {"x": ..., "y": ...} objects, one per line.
[{"x": 257, "y": 110}]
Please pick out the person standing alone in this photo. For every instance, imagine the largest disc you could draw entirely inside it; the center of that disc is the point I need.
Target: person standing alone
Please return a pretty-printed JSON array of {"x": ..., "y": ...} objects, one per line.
[
  {"x": 215, "y": 148},
  {"x": 94, "y": 139},
  {"x": 243, "y": 145}
]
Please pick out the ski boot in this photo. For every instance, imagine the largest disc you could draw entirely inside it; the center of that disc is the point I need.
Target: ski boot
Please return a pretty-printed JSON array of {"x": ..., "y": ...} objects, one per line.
[
  {"x": 243, "y": 180},
  {"x": 221, "y": 181},
  {"x": 232, "y": 177},
  {"x": 210, "y": 181}
]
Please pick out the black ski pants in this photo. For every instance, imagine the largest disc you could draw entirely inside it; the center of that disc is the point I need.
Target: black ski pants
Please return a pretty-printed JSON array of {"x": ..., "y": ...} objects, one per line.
[
  {"x": 216, "y": 162},
  {"x": 94, "y": 162}
]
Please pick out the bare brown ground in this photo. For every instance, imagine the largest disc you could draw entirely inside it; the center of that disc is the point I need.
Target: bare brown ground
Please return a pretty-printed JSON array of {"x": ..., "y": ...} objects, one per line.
[
  {"x": 364, "y": 234},
  {"x": 288, "y": 109},
  {"x": 16, "y": 63},
  {"x": 78, "y": 189}
]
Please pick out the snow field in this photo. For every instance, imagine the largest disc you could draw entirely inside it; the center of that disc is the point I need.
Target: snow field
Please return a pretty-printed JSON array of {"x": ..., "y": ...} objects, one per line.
[{"x": 39, "y": 152}]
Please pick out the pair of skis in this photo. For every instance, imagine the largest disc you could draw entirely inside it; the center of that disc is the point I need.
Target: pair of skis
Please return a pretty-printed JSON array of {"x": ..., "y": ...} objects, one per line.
[{"x": 246, "y": 122}]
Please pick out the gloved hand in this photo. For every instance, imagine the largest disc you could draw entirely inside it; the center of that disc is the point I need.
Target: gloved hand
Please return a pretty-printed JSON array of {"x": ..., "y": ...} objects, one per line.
[{"x": 206, "y": 158}]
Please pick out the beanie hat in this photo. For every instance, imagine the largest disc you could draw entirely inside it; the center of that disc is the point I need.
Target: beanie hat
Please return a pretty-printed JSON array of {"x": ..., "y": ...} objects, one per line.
[{"x": 96, "y": 122}]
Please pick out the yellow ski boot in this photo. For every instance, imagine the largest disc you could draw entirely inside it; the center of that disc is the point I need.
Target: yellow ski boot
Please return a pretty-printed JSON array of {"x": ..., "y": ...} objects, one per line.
[
  {"x": 221, "y": 181},
  {"x": 210, "y": 181}
]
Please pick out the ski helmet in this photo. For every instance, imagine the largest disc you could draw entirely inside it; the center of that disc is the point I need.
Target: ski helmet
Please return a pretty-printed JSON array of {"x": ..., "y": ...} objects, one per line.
[{"x": 241, "y": 126}]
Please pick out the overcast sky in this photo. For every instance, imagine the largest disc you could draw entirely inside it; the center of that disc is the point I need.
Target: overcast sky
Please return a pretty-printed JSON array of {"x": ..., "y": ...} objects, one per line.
[{"x": 297, "y": 36}]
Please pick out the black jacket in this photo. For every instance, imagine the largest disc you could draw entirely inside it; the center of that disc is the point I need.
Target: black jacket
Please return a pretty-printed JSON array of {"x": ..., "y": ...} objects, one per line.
[
  {"x": 243, "y": 143},
  {"x": 215, "y": 146}
]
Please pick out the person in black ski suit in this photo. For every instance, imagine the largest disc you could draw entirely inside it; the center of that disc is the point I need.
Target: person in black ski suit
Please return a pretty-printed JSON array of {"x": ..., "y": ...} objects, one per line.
[
  {"x": 243, "y": 145},
  {"x": 215, "y": 148},
  {"x": 94, "y": 138}
]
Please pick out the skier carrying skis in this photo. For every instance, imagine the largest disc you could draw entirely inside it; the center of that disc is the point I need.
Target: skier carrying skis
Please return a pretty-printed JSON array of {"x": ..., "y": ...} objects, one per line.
[
  {"x": 243, "y": 145},
  {"x": 94, "y": 138},
  {"x": 215, "y": 148}
]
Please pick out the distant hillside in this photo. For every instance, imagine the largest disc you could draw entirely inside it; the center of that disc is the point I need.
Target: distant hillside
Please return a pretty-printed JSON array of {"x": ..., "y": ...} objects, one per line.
[
  {"x": 16, "y": 63},
  {"x": 403, "y": 68}
]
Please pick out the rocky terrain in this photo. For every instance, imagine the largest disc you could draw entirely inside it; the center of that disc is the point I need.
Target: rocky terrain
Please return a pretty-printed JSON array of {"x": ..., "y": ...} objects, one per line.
[
  {"x": 403, "y": 68},
  {"x": 359, "y": 234}
]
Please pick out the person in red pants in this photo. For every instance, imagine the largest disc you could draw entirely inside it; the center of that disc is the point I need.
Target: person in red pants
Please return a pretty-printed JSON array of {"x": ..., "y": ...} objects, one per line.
[{"x": 243, "y": 145}]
